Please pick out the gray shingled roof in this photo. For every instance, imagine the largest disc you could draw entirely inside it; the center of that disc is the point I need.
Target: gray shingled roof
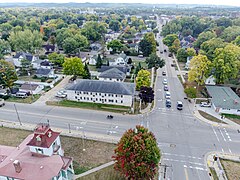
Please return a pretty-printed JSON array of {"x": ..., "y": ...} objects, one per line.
[
  {"x": 113, "y": 73},
  {"x": 43, "y": 71},
  {"x": 26, "y": 56},
  {"x": 224, "y": 97},
  {"x": 103, "y": 87}
]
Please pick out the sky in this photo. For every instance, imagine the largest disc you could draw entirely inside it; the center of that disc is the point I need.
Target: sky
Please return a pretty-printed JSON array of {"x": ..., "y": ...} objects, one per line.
[{"x": 211, "y": 2}]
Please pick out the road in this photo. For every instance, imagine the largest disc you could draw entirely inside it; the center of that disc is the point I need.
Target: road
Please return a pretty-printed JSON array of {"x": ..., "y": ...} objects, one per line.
[{"x": 182, "y": 138}]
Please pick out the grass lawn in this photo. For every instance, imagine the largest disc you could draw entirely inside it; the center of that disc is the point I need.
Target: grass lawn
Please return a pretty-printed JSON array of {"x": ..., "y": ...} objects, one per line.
[
  {"x": 142, "y": 62},
  {"x": 107, "y": 173},
  {"x": 210, "y": 117},
  {"x": 27, "y": 78},
  {"x": 231, "y": 168},
  {"x": 95, "y": 106},
  {"x": 92, "y": 68},
  {"x": 214, "y": 174},
  {"x": 233, "y": 117},
  {"x": 96, "y": 153},
  {"x": 180, "y": 79},
  {"x": 27, "y": 100}
]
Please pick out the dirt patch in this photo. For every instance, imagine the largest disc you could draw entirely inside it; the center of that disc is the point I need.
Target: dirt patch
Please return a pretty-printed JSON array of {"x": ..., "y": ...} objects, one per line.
[
  {"x": 231, "y": 168},
  {"x": 210, "y": 117}
]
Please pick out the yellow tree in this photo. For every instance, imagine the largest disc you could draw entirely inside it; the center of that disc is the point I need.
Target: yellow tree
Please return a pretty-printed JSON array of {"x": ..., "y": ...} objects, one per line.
[
  {"x": 199, "y": 69},
  {"x": 143, "y": 79},
  {"x": 73, "y": 66}
]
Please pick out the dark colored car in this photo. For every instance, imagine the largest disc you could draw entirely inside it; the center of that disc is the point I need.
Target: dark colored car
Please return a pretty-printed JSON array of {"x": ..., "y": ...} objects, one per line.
[
  {"x": 164, "y": 73},
  {"x": 165, "y": 50},
  {"x": 168, "y": 103},
  {"x": 161, "y": 52},
  {"x": 109, "y": 116},
  {"x": 170, "y": 55}
]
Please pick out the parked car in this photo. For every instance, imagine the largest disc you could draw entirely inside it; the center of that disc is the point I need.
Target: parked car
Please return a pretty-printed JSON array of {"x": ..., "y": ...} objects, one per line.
[
  {"x": 165, "y": 81},
  {"x": 205, "y": 104},
  {"x": 170, "y": 55},
  {"x": 168, "y": 95},
  {"x": 164, "y": 73},
  {"x": 161, "y": 52},
  {"x": 60, "y": 95},
  {"x": 21, "y": 94},
  {"x": 165, "y": 50},
  {"x": 165, "y": 88},
  {"x": 168, "y": 103},
  {"x": 2, "y": 102},
  {"x": 179, "y": 105}
]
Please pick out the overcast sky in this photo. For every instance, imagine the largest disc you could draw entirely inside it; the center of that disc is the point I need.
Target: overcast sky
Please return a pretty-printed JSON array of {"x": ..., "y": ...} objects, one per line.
[{"x": 215, "y": 2}]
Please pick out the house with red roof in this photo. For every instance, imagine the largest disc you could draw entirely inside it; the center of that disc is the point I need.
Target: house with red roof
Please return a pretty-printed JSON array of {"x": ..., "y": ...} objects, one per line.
[{"x": 39, "y": 157}]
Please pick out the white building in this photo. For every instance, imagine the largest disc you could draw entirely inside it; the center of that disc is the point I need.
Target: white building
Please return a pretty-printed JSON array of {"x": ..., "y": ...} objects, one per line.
[
  {"x": 31, "y": 88},
  {"x": 210, "y": 80},
  {"x": 17, "y": 59},
  {"x": 121, "y": 60},
  {"x": 104, "y": 92},
  {"x": 40, "y": 156},
  {"x": 112, "y": 74},
  {"x": 224, "y": 100}
]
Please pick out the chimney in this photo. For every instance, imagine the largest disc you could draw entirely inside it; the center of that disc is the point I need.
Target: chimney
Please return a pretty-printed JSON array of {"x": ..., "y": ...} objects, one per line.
[{"x": 17, "y": 166}]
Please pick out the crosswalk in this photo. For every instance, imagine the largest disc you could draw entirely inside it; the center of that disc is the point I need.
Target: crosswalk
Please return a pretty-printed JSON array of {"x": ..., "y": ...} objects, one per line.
[{"x": 221, "y": 134}]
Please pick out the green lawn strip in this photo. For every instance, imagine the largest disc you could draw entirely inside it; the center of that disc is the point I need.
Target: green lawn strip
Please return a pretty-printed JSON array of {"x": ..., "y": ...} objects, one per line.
[
  {"x": 27, "y": 100},
  {"x": 92, "y": 68},
  {"x": 96, "y": 106},
  {"x": 233, "y": 117},
  {"x": 180, "y": 79},
  {"x": 142, "y": 62},
  {"x": 210, "y": 117},
  {"x": 214, "y": 174}
]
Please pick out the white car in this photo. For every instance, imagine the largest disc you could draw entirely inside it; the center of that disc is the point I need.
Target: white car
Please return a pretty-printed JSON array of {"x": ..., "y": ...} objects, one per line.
[
  {"x": 168, "y": 95},
  {"x": 165, "y": 81},
  {"x": 61, "y": 95},
  {"x": 205, "y": 104}
]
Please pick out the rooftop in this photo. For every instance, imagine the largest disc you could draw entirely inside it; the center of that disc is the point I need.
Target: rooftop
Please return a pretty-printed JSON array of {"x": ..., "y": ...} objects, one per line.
[
  {"x": 224, "y": 97},
  {"x": 26, "y": 56},
  {"x": 27, "y": 86},
  {"x": 113, "y": 73}
]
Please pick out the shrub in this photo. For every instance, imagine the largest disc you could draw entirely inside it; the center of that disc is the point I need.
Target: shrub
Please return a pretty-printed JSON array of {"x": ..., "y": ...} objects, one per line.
[{"x": 191, "y": 92}]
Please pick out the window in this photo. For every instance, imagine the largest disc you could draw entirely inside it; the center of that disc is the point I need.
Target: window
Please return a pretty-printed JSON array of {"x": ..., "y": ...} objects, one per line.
[
  {"x": 116, "y": 95},
  {"x": 64, "y": 174},
  {"x": 105, "y": 94},
  {"x": 81, "y": 98},
  {"x": 91, "y": 93},
  {"x": 116, "y": 101},
  {"x": 91, "y": 99},
  {"x": 112, "y": 95},
  {"x": 238, "y": 110},
  {"x": 105, "y": 100},
  {"x": 110, "y": 100},
  {"x": 75, "y": 97},
  {"x": 38, "y": 150},
  {"x": 84, "y": 98},
  {"x": 87, "y": 98},
  {"x": 121, "y": 96},
  {"x": 96, "y": 99},
  {"x": 121, "y": 101}
]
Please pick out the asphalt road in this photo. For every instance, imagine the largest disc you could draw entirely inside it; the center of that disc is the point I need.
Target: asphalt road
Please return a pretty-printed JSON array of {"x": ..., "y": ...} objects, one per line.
[{"x": 182, "y": 138}]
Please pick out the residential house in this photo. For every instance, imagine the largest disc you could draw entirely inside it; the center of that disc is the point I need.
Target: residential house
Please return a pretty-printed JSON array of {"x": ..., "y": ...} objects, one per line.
[
  {"x": 93, "y": 60},
  {"x": 104, "y": 92},
  {"x": 17, "y": 59},
  {"x": 36, "y": 64},
  {"x": 125, "y": 69},
  {"x": 46, "y": 64},
  {"x": 122, "y": 59},
  {"x": 210, "y": 80},
  {"x": 224, "y": 99},
  {"x": 31, "y": 88},
  {"x": 48, "y": 73},
  {"x": 40, "y": 156},
  {"x": 112, "y": 74},
  {"x": 49, "y": 48}
]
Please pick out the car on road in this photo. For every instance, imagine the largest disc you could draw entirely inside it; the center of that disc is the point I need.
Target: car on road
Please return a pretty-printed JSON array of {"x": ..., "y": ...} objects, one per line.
[
  {"x": 168, "y": 95},
  {"x": 165, "y": 81},
  {"x": 2, "y": 102},
  {"x": 165, "y": 87},
  {"x": 109, "y": 116},
  {"x": 164, "y": 73},
  {"x": 168, "y": 103},
  {"x": 165, "y": 50},
  {"x": 179, "y": 105},
  {"x": 205, "y": 104},
  {"x": 161, "y": 52},
  {"x": 170, "y": 55}
]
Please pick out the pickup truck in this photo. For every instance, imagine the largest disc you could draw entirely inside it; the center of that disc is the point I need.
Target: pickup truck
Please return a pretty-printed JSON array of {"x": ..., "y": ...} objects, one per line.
[{"x": 2, "y": 103}]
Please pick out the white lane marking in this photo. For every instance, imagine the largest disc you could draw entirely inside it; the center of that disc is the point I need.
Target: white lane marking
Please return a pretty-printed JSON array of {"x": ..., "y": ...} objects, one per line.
[
  {"x": 180, "y": 155},
  {"x": 222, "y": 134},
  {"x": 229, "y": 138},
  {"x": 215, "y": 133},
  {"x": 197, "y": 168},
  {"x": 222, "y": 150},
  {"x": 199, "y": 164},
  {"x": 230, "y": 150}
]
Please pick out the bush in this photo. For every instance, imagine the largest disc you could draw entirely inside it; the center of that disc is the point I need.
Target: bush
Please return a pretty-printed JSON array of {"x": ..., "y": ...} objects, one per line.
[
  {"x": 43, "y": 79},
  {"x": 191, "y": 92},
  {"x": 43, "y": 57}
]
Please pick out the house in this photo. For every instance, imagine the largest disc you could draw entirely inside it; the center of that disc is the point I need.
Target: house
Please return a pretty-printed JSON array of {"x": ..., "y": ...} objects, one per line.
[
  {"x": 103, "y": 92},
  {"x": 224, "y": 99},
  {"x": 93, "y": 60},
  {"x": 31, "y": 88},
  {"x": 17, "y": 59},
  {"x": 112, "y": 74},
  {"x": 49, "y": 48},
  {"x": 125, "y": 69},
  {"x": 40, "y": 156},
  {"x": 48, "y": 73},
  {"x": 36, "y": 64},
  {"x": 210, "y": 80},
  {"x": 46, "y": 64},
  {"x": 122, "y": 59}
]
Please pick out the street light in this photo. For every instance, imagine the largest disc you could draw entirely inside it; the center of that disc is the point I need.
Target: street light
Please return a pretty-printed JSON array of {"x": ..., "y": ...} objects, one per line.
[
  {"x": 29, "y": 75},
  {"x": 83, "y": 136}
]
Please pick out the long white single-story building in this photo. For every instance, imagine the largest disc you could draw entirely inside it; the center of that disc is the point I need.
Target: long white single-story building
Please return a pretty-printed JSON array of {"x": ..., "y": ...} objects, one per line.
[
  {"x": 224, "y": 99},
  {"x": 104, "y": 92}
]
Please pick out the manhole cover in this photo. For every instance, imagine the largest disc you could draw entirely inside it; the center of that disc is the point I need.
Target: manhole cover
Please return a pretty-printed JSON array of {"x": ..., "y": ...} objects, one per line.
[{"x": 173, "y": 145}]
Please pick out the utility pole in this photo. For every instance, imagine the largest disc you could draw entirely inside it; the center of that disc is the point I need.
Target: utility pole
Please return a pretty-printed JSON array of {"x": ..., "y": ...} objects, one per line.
[{"x": 17, "y": 115}]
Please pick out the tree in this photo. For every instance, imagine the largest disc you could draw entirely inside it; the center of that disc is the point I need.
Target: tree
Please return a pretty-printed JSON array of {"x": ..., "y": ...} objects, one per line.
[
  {"x": 225, "y": 22},
  {"x": 199, "y": 69},
  {"x": 138, "y": 68},
  {"x": 70, "y": 45},
  {"x": 146, "y": 94},
  {"x": 73, "y": 66},
  {"x": 137, "y": 154},
  {"x": 115, "y": 44},
  {"x": 129, "y": 61},
  {"x": 191, "y": 52},
  {"x": 182, "y": 55},
  {"x": 4, "y": 48},
  {"x": 57, "y": 59},
  {"x": 229, "y": 34},
  {"x": 148, "y": 44},
  {"x": 99, "y": 61},
  {"x": 237, "y": 41},
  {"x": 175, "y": 46},
  {"x": 8, "y": 74},
  {"x": 115, "y": 25},
  {"x": 143, "y": 79},
  {"x": 204, "y": 36},
  {"x": 86, "y": 74},
  {"x": 169, "y": 39},
  {"x": 154, "y": 61},
  {"x": 226, "y": 63},
  {"x": 26, "y": 41},
  {"x": 191, "y": 92},
  {"x": 93, "y": 30}
]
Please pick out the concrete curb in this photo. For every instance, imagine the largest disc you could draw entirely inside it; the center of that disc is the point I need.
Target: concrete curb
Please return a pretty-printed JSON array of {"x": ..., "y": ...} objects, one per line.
[{"x": 94, "y": 169}]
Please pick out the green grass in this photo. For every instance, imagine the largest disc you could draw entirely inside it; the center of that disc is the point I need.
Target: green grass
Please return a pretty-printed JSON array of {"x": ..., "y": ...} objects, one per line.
[
  {"x": 78, "y": 169},
  {"x": 27, "y": 100},
  {"x": 214, "y": 174},
  {"x": 180, "y": 79},
  {"x": 92, "y": 68},
  {"x": 143, "y": 63},
  {"x": 86, "y": 105},
  {"x": 27, "y": 78},
  {"x": 210, "y": 117},
  {"x": 231, "y": 116}
]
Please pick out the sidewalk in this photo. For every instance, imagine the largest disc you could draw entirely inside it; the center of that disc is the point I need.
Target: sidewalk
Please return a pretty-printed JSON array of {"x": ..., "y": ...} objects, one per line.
[{"x": 216, "y": 164}]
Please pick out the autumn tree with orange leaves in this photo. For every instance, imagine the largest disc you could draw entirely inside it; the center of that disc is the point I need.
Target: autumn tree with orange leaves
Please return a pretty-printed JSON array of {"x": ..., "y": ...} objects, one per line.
[{"x": 137, "y": 154}]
